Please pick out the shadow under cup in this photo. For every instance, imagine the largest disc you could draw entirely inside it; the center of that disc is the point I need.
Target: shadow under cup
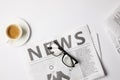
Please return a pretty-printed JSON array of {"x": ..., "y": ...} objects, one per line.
[{"x": 14, "y": 31}]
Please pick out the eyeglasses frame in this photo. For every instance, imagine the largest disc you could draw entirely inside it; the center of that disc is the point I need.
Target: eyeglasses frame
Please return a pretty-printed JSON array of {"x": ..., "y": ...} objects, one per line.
[{"x": 65, "y": 53}]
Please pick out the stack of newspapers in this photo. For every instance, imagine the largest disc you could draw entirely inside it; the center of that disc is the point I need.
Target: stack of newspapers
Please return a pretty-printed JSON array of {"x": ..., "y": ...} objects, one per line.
[{"x": 80, "y": 43}]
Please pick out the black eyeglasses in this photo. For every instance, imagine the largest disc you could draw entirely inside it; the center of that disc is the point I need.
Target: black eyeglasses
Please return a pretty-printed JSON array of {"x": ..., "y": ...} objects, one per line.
[{"x": 56, "y": 50}]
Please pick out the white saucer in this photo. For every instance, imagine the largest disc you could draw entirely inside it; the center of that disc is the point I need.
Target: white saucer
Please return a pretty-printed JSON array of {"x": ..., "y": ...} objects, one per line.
[{"x": 26, "y": 34}]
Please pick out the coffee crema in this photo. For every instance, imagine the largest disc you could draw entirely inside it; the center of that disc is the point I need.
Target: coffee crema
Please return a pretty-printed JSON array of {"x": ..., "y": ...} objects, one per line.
[{"x": 13, "y": 31}]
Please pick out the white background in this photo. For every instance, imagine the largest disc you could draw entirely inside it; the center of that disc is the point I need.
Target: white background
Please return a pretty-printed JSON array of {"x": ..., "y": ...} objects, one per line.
[{"x": 48, "y": 18}]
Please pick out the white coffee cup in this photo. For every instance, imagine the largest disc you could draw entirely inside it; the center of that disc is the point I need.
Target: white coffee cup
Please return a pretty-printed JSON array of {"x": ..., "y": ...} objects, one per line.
[{"x": 13, "y": 31}]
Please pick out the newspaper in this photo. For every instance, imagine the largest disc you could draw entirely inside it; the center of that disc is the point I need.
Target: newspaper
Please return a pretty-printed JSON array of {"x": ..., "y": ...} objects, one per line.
[
  {"x": 97, "y": 43},
  {"x": 79, "y": 44},
  {"x": 113, "y": 28}
]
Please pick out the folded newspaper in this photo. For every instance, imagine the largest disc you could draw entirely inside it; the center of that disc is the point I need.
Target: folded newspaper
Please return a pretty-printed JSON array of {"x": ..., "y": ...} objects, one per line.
[
  {"x": 113, "y": 28},
  {"x": 79, "y": 44}
]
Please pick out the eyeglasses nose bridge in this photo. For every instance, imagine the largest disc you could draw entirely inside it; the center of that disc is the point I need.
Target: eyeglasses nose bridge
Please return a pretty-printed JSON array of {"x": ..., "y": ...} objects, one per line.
[{"x": 49, "y": 48}]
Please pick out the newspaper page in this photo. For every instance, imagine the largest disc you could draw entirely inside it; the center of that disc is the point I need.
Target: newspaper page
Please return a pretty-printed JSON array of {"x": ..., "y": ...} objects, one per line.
[
  {"x": 97, "y": 44},
  {"x": 78, "y": 43},
  {"x": 113, "y": 28}
]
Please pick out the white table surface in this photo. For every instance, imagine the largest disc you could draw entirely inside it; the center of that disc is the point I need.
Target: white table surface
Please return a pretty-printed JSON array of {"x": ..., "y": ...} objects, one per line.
[{"x": 51, "y": 17}]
